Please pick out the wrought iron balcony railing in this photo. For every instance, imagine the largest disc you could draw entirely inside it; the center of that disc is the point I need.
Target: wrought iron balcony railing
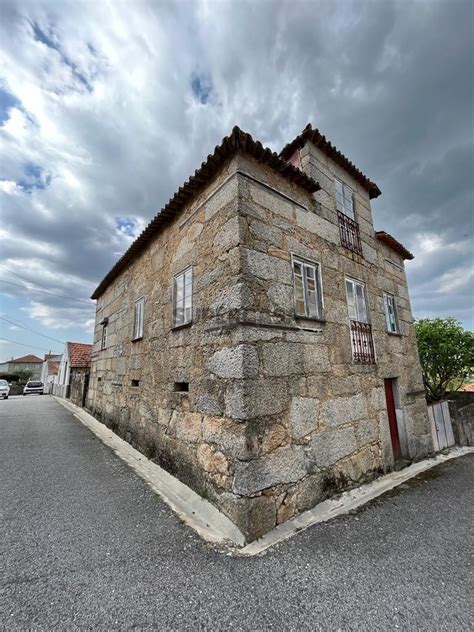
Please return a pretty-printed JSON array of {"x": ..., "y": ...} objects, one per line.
[
  {"x": 363, "y": 351},
  {"x": 349, "y": 232}
]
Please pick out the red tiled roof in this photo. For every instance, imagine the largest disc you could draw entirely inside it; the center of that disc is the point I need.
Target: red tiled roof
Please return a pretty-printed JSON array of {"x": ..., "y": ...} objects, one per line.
[
  {"x": 468, "y": 388},
  {"x": 392, "y": 243},
  {"x": 79, "y": 354},
  {"x": 315, "y": 136},
  {"x": 53, "y": 367},
  {"x": 28, "y": 359},
  {"x": 230, "y": 145}
]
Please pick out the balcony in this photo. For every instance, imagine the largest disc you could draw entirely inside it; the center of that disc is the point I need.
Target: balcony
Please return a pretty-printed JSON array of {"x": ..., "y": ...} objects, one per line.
[
  {"x": 349, "y": 232},
  {"x": 363, "y": 351}
]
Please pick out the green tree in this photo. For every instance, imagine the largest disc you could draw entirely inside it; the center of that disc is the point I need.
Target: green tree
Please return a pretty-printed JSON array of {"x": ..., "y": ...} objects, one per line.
[{"x": 446, "y": 355}]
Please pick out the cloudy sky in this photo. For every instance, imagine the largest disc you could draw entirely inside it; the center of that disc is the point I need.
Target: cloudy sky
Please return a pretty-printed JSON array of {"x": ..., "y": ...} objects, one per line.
[{"x": 107, "y": 107}]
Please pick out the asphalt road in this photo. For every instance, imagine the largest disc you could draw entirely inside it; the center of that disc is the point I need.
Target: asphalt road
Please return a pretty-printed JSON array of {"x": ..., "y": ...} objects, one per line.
[{"x": 85, "y": 544}]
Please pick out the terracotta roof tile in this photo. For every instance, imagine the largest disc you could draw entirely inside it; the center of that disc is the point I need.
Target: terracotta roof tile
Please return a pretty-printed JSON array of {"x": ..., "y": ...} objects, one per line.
[
  {"x": 315, "y": 136},
  {"x": 395, "y": 245},
  {"x": 230, "y": 145},
  {"x": 28, "y": 359},
  {"x": 79, "y": 354}
]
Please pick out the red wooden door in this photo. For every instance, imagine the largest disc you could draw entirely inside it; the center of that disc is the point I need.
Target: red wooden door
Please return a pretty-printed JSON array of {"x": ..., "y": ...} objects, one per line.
[{"x": 392, "y": 418}]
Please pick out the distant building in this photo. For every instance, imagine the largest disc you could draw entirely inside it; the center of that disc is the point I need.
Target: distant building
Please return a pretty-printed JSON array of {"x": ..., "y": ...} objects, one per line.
[
  {"x": 26, "y": 364},
  {"x": 74, "y": 368},
  {"x": 50, "y": 371}
]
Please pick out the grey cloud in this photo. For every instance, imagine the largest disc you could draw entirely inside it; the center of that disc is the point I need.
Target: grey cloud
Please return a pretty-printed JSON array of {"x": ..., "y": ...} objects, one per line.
[{"x": 387, "y": 82}]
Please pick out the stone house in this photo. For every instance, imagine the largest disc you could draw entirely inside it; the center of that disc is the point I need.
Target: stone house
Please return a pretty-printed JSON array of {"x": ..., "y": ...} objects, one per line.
[
  {"x": 256, "y": 340},
  {"x": 29, "y": 364}
]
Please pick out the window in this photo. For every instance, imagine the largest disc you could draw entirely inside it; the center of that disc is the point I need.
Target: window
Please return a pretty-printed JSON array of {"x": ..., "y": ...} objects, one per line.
[
  {"x": 362, "y": 343},
  {"x": 183, "y": 298},
  {"x": 390, "y": 313},
  {"x": 307, "y": 289},
  {"x": 348, "y": 227},
  {"x": 344, "y": 199},
  {"x": 103, "y": 342},
  {"x": 357, "y": 301},
  {"x": 138, "y": 319}
]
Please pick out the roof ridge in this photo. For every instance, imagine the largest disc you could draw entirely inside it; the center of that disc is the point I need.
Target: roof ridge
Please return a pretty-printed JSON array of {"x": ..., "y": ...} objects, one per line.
[{"x": 316, "y": 137}]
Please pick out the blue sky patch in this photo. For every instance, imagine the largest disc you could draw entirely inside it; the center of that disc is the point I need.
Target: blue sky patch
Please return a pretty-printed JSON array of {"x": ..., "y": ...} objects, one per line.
[
  {"x": 201, "y": 85},
  {"x": 35, "y": 178},
  {"x": 7, "y": 101},
  {"x": 126, "y": 225}
]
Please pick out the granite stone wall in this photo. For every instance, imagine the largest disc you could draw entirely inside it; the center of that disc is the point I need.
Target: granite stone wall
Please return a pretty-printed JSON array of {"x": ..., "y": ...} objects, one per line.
[{"x": 277, "y": 416}]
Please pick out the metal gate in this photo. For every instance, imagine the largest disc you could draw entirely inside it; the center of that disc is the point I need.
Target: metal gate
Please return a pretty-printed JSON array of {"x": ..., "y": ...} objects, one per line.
[{"x": 441, "y": 428}]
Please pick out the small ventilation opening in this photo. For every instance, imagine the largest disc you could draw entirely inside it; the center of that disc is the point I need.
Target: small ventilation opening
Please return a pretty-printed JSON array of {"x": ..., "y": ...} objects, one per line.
[
  {"x": 135, "y": 382},
  {"x": 181, "y": 387},
  {"x": 99, "y": 379}
]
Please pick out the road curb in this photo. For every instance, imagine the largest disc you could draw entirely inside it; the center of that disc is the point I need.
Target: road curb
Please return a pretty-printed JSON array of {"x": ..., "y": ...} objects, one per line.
[
  {"x": 213, "y": 526},
  {"x": 196, "y": 512},
  {"x": 347, "y": 501}
]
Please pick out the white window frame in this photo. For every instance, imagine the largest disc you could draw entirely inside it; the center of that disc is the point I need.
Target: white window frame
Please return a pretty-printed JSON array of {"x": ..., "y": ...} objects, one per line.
[
  {"x": 391, "y": 315},
  {"x": 138, "y": 318},
  {"x": 185, "y": 315},
  {"x": 103, "y": 338},
  {"x": 353, "y": 307},
  {"x": 344, "y": 198},
  {"x": 311, "y": 270}
]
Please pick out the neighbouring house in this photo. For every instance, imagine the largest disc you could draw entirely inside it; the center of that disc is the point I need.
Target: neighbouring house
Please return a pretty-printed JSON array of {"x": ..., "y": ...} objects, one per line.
[
  {"x": 50, "y": 370},
  {"x": 257, "y": 340},
  {"x": 30, "y": 364},
  {"x": 74, "y": 369}
]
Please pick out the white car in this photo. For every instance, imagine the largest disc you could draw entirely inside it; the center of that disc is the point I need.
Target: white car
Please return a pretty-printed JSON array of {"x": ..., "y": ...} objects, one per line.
[
  {"x": 4, "y": 389},
  {"x": 33, "y": 387}
]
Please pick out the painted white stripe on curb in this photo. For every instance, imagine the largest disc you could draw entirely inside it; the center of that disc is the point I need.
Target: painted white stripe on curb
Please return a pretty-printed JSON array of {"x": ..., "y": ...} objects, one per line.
[
  {"x": 198, "y": 513},
  {"x": 347, "y": 502}
]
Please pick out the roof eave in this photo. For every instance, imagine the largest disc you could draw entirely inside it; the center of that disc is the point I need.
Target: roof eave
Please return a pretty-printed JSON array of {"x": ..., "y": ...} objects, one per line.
[
  {"x": 394, "y": 244},
  {"x": 237, "y": 141}
]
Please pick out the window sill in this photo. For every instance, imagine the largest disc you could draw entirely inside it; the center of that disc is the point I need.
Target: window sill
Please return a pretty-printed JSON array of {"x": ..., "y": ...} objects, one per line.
[
  {"x": 314, "y": 319},
  {"x": 183, "y": 326},
  {"x": 394, "y": 333}
]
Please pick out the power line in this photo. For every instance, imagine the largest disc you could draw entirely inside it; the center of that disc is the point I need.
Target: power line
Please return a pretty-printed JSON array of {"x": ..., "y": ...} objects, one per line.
[
  {"x": 23, "y": 345},
  {"x": 36, "y": 283},
  {"x": 12, "y": 322},
  {"x": 32, "y": 289}
]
